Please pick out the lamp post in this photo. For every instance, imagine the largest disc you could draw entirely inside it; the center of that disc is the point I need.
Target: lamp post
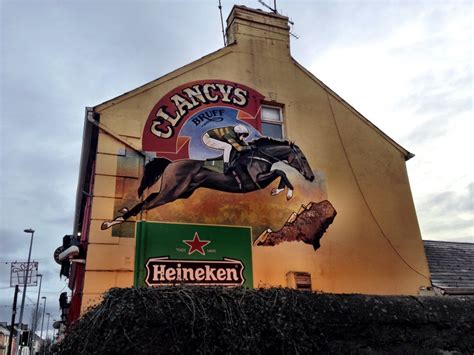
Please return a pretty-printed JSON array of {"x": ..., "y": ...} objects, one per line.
[
  {"x": 47, "y": 330},
  {"x": 54, "y": 335},
  {"x": 42, "y": 321},
  {"x": 32, "y": 232},
  {"x": 35, "y": 323}
]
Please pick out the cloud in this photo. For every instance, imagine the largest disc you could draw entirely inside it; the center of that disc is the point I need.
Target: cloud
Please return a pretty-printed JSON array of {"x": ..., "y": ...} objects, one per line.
[
  {"x": 10, "y": 240},
  {"x": 406, "y": 75},
  {"x": 415, "y": 82},
  {"x": 448, "y": 215}
]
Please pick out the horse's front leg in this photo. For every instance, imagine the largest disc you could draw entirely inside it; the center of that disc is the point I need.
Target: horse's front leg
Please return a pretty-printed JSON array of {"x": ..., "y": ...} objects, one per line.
[
  {"x": 284, "y": 182},
  {"x": 126, "y": 213}
]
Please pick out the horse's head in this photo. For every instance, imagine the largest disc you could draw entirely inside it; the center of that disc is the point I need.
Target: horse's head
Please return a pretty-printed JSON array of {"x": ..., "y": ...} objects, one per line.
[
  {"x": 288, "y": 152},
  {"x": 297, "y": 160}
]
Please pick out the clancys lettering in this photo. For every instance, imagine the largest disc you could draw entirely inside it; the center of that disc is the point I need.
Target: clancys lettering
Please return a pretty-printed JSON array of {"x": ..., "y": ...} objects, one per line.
[
  {"x": 164, "y": 271},
  {"x": 191, "y": 98}
]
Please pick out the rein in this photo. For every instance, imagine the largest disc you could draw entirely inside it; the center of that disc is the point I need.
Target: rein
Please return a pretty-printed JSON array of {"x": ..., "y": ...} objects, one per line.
[{"x": 271, "y": 157}]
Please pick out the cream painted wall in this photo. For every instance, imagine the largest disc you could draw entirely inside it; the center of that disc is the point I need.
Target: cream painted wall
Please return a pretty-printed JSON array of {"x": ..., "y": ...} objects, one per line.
[{"x": 375, "y": 234}]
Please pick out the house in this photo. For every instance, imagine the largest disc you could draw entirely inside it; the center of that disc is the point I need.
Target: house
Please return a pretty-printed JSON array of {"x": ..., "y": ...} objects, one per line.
[
  {"x": 451, "y": 266},
  {"x": 4, "y": 336},
  {"x": 154, "y": 206}
]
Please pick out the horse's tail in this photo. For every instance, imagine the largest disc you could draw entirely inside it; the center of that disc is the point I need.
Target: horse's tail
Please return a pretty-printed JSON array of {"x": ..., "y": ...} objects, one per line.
[{"x": 153, "y": 170}]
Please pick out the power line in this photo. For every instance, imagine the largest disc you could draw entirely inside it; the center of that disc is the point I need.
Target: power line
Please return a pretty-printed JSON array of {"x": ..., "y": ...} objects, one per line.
[
  {"x": 365, "y": 199},
  {"x": 26, "y": 305},
  {"x": 15, "y": 261}
]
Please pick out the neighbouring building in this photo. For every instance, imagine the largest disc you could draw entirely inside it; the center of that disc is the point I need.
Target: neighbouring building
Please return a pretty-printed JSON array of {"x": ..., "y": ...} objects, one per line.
[
  {"x": 179, "y": 183},
  {"x": 451, "y": 266},
  {"x": 4, "y": 336}
]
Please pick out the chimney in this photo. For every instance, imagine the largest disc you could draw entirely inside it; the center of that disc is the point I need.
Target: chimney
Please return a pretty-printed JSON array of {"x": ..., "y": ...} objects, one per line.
[{"x": 261, "y": 28}]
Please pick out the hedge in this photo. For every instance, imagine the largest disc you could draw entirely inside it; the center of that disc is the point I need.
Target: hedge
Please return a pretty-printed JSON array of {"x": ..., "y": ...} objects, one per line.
[{"x": 213, "y": 320}]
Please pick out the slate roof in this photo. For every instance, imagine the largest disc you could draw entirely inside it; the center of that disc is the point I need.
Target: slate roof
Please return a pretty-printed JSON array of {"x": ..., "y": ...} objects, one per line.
[{"x": 451, "y": 266}]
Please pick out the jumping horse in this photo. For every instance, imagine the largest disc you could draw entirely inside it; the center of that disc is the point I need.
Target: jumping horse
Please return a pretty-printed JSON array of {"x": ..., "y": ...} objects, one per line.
[{"x": 179, "y": 179}]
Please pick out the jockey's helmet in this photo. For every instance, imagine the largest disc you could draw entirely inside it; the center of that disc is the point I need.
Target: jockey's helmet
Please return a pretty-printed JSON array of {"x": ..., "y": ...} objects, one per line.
[{"x": 241, "y": 130}]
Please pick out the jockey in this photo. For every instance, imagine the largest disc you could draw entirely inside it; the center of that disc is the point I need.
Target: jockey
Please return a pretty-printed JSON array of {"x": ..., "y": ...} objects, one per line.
[{"x": 226, "y": 138}]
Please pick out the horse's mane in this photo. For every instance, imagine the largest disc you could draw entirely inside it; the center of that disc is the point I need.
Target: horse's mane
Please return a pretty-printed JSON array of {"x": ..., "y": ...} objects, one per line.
[{"x": 265, "y": 141}]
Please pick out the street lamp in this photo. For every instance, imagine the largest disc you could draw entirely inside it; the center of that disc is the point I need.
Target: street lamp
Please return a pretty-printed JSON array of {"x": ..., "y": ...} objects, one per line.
[
  {"x": 42, "y": 321},
  {"x": 35, "y": 323},
  {"x": 32, "y": 232},
  {"x": 55, "y": 335},
  {"x": 47, "y": 326}
]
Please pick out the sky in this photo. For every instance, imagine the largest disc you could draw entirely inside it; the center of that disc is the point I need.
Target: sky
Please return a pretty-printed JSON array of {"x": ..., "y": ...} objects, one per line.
[{"x": 406, "y": 65}]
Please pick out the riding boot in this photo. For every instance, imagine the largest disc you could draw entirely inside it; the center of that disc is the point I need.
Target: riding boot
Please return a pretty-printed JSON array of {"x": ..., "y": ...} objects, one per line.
[{"x": 226, "y": 168}]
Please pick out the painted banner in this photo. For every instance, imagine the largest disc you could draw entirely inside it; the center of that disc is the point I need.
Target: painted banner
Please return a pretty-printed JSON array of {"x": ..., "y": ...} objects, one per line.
[
  {"x": 192, "y": 254},
  {"x": 177, "y": 123}
]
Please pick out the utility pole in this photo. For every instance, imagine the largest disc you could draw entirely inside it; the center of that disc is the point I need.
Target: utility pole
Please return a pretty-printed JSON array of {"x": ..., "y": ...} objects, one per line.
[
  {"x": 32, "y": 232},
  {"x": 42, "y": 321},
  {"x": 47, "y": 332},
  {"x": 12, "y": 329}
]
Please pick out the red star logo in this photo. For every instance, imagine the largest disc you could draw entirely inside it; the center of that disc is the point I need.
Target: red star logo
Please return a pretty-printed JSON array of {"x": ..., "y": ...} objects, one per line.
[{"x": 196, "y": 244}]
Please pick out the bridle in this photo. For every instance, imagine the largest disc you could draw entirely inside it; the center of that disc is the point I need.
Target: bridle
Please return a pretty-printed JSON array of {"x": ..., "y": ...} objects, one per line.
[
  {"x": 272, "y": 159},
  {"x": 296, "y": 156}
]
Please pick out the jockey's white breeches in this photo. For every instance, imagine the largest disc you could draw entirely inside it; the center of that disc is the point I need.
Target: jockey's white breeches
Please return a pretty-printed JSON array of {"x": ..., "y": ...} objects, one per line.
[{"x": 216, "y": 144}]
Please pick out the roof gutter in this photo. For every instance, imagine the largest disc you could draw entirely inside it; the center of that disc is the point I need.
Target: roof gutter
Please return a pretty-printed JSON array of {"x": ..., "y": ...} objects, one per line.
[
  {"x": 111, "y": 133},
  {"x": 89, "y": 123},
  {"x": 85, "y": 151}
]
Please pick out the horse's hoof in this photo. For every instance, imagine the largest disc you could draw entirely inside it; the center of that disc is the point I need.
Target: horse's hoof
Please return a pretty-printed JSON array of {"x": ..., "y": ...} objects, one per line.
[
  {"x": 107, "y": 225},
  {"x": 292, "y": 218},
  {"x": 262, "y": 237},
  {"x": 276, "y": 191},
  {"x": 123, "y": 210}
]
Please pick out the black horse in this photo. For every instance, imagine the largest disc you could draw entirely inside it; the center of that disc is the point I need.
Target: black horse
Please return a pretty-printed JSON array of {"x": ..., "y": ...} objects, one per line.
[{"x": 179, "y": 179}]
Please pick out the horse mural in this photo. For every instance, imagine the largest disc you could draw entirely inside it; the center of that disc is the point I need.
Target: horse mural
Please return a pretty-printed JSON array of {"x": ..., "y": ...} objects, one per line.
[{"x": 179, "y": 179}]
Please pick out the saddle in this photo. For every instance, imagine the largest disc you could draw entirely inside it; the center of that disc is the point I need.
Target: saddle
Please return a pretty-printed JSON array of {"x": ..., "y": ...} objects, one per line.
[
  {"x": 216, "y": 164},
  {"x": 239, "y": 161}
]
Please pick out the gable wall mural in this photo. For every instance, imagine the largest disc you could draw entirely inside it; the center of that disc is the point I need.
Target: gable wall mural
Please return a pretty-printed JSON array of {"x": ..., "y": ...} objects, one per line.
[{"x": 207, "y": 163}]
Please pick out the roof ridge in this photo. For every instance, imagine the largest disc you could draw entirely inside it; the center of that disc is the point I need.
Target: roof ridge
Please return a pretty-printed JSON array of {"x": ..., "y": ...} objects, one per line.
[
  {"x": 447, "y": 241},
  {"x": 408, "y": 154}
]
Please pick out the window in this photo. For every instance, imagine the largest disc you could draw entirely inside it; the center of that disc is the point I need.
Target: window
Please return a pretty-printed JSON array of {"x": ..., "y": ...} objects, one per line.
[{"x": 272, "y": 122}]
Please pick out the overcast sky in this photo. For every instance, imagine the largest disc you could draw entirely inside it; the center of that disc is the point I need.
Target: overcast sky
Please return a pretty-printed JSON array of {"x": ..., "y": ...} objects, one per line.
[{"x": 405, "y": 65}]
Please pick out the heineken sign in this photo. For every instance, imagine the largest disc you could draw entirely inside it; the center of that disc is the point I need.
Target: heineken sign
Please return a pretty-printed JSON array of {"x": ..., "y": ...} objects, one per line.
[
  {"x": 193, "y": 254},
  {"x": 163, "y": 271}
]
